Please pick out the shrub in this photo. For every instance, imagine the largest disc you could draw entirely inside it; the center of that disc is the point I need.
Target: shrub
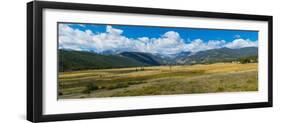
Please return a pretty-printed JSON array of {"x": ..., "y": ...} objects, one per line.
[
  {"x": 251, "y": 59},
  {"x": 249, "y": 81},
  {"x": 60, "y": 93},
  {"x": 119, "y": 85},
  {"x": 220, "y": 89},
  {"x": 86, "y": 91},
  {"x": 90, "y": 87}
]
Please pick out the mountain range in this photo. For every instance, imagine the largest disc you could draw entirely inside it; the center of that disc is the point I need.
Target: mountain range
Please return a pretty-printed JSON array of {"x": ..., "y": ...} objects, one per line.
[
  {"x": 218, "y": 55},
  {"x": 79, "y": 60}
]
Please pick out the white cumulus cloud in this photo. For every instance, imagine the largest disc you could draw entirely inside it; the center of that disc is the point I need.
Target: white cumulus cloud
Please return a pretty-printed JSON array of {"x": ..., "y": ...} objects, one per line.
[
  {"x": 240, "y": 43},
  {"x": 75, "y": 39},
  {"x": 200, "y": 45},
  {"x": 113, "y": 40}
]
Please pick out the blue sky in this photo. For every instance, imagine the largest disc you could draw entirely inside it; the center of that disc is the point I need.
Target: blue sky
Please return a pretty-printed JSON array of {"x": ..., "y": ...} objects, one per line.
[
  {"x": 185, "y": 33},
  {"x": 167, "y": 40}
]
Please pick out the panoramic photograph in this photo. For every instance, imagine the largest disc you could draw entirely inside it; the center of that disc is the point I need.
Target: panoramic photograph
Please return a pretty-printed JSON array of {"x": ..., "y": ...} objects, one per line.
[{"x": 105, "y": 60}]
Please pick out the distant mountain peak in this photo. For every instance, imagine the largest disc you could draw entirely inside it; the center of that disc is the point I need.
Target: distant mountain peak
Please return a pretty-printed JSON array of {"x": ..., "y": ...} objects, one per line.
[
  {"x": 216, "y": 55},
  {"x": 110, "y": 59}
]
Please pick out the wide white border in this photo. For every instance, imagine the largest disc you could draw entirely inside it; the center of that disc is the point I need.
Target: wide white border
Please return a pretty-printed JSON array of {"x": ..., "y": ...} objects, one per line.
[{"x": 53, "y": 106}]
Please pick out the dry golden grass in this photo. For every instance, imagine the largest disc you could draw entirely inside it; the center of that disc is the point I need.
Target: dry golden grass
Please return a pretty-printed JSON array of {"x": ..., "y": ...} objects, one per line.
[{"x": 160, "y": 80}]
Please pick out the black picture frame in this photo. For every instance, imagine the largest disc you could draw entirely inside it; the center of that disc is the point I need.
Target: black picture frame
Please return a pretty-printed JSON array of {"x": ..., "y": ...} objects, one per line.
[{"x": 35, "y": 69}]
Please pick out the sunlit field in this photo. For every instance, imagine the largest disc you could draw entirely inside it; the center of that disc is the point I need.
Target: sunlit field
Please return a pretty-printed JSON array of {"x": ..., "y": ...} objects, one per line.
[{"x": 158, "y": 80}]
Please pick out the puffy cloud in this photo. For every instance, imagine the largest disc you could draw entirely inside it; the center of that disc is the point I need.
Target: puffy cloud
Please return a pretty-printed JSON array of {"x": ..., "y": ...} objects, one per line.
[
  {"x": 113, "y": 40},
  {"x": 69, "y": 38},
  {"x": 113, "y": 31},
  {"x": 237, "y": 36},
  {"x": 75, "y": 39},
  {"x": 240, "y": 43},
  {"x": 199, "y": 45},
  {"x": 82, "y": 25},
  {"x": 168, "y": 43}
]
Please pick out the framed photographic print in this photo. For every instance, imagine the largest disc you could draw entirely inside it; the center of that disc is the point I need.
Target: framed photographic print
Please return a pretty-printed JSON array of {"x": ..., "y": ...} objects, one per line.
[{"x": 96, "y": 61}]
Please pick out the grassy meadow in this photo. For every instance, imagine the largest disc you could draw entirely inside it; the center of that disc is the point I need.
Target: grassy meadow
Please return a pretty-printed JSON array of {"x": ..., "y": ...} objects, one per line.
[{"x": 158, "y": 80}]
